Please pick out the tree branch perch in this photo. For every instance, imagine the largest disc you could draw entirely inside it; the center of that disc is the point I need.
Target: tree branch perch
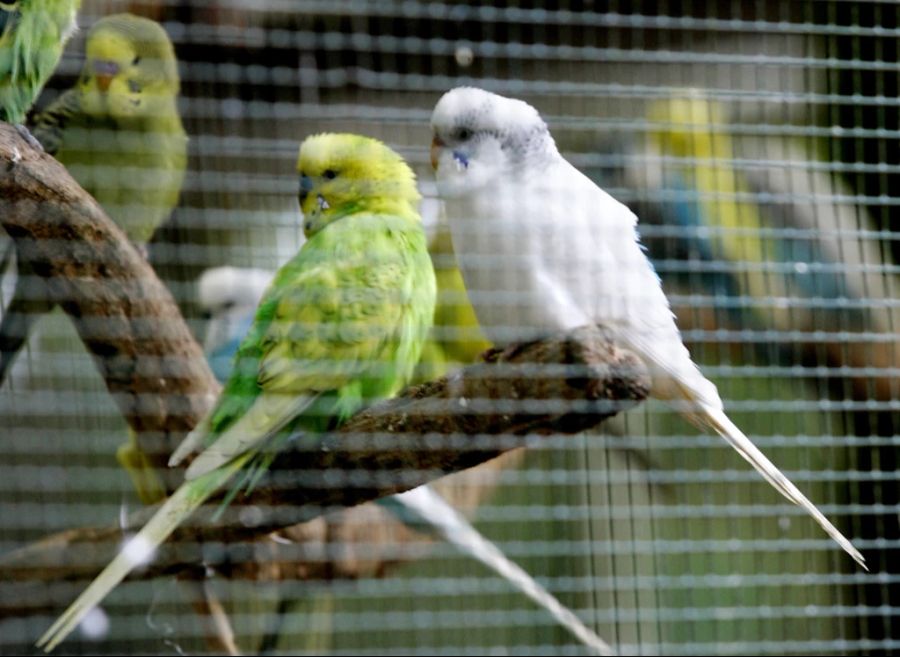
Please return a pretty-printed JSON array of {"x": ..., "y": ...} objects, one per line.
[
  {"x": 563, "y": 384},
  {"x": 152, "y": 365}
]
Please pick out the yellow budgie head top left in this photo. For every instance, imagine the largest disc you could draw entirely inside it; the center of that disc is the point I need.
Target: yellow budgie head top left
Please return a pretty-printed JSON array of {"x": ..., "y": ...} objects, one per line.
[{"x": 130, "y": 70}]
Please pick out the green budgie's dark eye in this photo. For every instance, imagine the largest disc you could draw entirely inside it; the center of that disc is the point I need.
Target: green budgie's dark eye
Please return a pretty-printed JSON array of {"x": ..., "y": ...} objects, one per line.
[
  {"x": 136, "y": 60},
  {"x": 330, "y": 174}
]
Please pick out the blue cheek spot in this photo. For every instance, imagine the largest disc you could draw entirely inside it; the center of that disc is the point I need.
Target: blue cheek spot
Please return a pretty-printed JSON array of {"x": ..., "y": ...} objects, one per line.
[{"x": 461, "y": 159}]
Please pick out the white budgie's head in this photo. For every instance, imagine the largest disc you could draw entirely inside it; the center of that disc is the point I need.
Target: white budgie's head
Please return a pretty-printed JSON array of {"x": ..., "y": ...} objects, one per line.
[
  {"x": 478, "y": 135},
  {"x": 229, "y": 296}
]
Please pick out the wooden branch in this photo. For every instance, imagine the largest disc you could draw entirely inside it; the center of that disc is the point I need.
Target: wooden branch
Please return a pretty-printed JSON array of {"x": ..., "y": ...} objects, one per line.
[
  {"x": 152, "y": 366},
  {"x": 567, "y": 383}
]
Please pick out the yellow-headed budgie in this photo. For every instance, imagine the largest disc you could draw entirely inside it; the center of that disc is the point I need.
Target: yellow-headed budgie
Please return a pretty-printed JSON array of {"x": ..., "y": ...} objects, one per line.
[
  {"x": 342, "y": 325},
  {"x": 119, "y": 133}
]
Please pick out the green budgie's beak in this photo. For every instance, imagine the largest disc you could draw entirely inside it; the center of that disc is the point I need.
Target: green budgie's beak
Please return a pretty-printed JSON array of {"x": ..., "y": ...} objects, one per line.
[{"x": 105, "y": 71}]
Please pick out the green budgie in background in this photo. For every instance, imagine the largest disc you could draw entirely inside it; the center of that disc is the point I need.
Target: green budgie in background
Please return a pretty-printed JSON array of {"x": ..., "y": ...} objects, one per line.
[
  {"x": 119, "y": 134},
  {"x": 342, "y": 325},
  {"x": 456, "y": 339},
  {"x": 33, "y": 34},
  {"x": 118, "y": 130}
]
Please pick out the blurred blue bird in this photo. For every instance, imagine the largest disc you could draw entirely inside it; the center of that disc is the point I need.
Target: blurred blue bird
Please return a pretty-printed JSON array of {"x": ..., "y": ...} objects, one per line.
[{"x": 770, "y": 235}]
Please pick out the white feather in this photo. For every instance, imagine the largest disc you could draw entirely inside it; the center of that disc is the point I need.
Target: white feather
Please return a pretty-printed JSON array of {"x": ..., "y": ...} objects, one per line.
[{"x": 448, "y": 523}]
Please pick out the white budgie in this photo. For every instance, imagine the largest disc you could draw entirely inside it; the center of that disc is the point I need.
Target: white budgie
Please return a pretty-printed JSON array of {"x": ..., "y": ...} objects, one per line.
[{"x": 543, "y": 249}]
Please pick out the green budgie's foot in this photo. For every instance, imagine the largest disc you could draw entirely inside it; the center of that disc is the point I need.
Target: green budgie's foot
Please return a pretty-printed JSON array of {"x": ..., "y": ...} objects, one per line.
[
  {"x": 27, "y": 136},
  {"x": 143, "y": 475}
]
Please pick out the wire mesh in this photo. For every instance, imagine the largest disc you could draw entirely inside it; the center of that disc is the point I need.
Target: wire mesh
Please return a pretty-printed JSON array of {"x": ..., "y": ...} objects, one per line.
[{"x": 769, "y": 214}]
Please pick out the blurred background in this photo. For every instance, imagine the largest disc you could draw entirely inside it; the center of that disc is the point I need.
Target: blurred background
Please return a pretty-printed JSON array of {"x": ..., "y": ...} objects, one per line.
[{"x": 757, "y": 142}]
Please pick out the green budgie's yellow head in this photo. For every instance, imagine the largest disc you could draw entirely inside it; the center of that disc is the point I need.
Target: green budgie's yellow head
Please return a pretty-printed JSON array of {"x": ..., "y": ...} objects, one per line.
[
  {"x": 130, "y": 69},
  {"x": 688, "y": 126},
  {"x": 342, "y": 174}
]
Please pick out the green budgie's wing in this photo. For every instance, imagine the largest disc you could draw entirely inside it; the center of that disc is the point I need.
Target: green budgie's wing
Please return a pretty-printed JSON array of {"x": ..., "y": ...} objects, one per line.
[
  {"x": 50, "y": 125},
  {"x": 340, "y": 319},
  {"x": 9, "y": 16},
  {"x": 31, "y": 43},
  {"x": 9, "y": 57}
]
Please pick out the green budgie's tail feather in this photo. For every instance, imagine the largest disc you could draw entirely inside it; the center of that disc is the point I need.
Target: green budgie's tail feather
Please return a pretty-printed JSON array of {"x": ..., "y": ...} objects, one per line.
[
  {"x": 50, "y": 124},
  {"x": 717, "y": 420},
  {"x": 30, "y": 301},
  {"x": 139, "y": 549}
]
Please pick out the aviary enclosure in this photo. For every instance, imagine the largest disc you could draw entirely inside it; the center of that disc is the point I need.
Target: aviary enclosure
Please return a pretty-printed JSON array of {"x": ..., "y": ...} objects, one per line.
[{"x": 757, "y": 142}]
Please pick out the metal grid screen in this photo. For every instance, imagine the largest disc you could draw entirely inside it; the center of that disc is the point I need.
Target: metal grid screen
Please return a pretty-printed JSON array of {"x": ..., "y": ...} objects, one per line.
[{"x": 758, "y": 144}]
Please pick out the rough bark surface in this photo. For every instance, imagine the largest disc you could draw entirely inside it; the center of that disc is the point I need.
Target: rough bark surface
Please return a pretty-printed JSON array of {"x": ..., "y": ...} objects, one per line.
[{"x": 128, "y": 320}]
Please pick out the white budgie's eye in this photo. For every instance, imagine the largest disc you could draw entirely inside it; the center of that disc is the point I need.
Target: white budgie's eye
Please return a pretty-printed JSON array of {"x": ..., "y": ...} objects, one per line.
[{"x": 462, "y": 134}]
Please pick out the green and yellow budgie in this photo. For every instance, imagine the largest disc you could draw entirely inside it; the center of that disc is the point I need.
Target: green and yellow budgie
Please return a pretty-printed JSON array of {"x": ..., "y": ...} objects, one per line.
[
  {"x": 33, "y": 34},
  {"x": 119, "y": 134},
  {"x": 118, "y": 130},
  {"x": 342, "y": 324}
]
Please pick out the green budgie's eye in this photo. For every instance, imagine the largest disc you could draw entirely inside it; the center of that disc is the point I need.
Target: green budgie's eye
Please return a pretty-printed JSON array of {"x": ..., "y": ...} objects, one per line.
[
  {"x": 330, "y": 174},
  {"x": 136, "y": 60}
]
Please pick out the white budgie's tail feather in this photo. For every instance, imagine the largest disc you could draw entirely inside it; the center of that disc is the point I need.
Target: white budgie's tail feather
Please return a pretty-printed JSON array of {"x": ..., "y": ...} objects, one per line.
[
  {"x": 716, "y": 419},
  {"x": 138, "y": 550},
  {"x": 456, "y": 530},
  {"x": 677, "y": 379}
]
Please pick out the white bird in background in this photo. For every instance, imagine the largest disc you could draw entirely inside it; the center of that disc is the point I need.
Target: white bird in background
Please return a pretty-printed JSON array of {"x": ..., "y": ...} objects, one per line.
[{"x": 543, "y": 249}]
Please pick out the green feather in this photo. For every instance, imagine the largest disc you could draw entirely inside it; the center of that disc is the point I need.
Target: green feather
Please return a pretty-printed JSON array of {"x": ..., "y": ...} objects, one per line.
[{"x": 34, "y": 33}]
